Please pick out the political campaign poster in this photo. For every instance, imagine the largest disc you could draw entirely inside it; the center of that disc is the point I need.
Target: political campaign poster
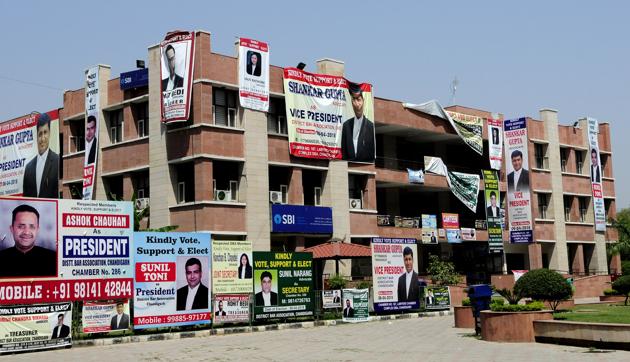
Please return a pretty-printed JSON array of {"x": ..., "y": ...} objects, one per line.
[
  {"x": 450, "y": 223},
  {"x": 468, "y": 234},
  {"x": 253, "y": 74},
  {"x": 35, "y": 326},
  {"x": 415, "y": 176},
  {"x": 172, "y": 279},
  {"x": 493, "y": 210},
  {"x": 469, "y": 128},
  {"x": 29, "y": 155},
  {"x": 283, "y": 285},
  {"x": 518, "y": 195},
  {"x": 394, "y": 274},
  {"x": 495, "y": 142},
  {"x": 63, "y": 250},
  {"x": 464, "y": 186},
  {"x": 437, "y": 297},
  {"x": 331, "y": 299},
  {"x": 356, "y": 305},
  {"x": 176, "y": 72},
  {"x": 92, "y": 121},
  {"x": 596, "y": 175},
  {"x": 429, "y": 229},
  {"x": 232, "y": 267},
  {"x": 103, "y": 317},
  {"x": 329, "y": 117},
  {"x": 231, "y": 308}
]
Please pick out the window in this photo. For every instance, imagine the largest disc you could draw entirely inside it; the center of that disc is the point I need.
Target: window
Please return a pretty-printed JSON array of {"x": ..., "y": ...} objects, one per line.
[
  {"x": 604, "y": 162},
  {"x": 543, "y": 204},
  {"x": 224, "y": 107},
  {"x": 608, "y": 207},
  {"x": 579, "y": 161},
  {"x": 77, "y": 136},
  {"x": 141, "y": 184},
  {"x": 568, "y": 201},
  {"x": 185, "y": 186},
  {"x": 276, "y": 117},
  {"x": 312, "y": 183},
  {"x": 564, "y": 157},
  {"x": 226, "y": 180},
  {"x": 583, "y": 208},
  {"x": 540, "y": 151},
  {"x": 115, "y": 126},
  {"x": 356, "y": 188},
  {"x": 141, "y": 115}
]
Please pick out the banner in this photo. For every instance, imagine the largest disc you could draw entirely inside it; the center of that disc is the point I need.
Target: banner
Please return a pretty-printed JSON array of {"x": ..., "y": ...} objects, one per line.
[
  {"x": 328, "y": 117},
  {"x": 73, "y": 250},
  {"x": 395, "y": 280},
  {"x": 232, "y": 269},
  {"x": 331, "y": 299},
  {"x": 596, "y": 176},
  {"x": 33, "y": 327},
  {"x": 437, "y": 297},
  {"x": 171, "y": 268},
  {"x": 495, "y": 142},
  {"x": 429, "y": 229},
  {"x": 26, "y": 143},
  {"x": 99, "y": 317},
  {"x": 178, "y": 63},
  {"x": 415, "y": 176},
  {"x": 283, "y": 285},
  {"x": 518, "y": 195},
  {"x": 450, "y": 223},
  {"x": 463, "y": 185},
  {"x": 469, "y": 234},
  {"x": 356, "y": 305},
  {"x": 253, "y": 74},
  {"x": 231, "y": 308},
  {"x": 493, "y": 210},
  {"x": 469, "y": 128},
  {"x": 92, "y": 121},
  {"x": 301, "y": 219}
]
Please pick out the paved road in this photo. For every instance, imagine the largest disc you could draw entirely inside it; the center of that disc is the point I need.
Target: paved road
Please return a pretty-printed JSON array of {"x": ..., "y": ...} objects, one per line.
[{"x": 423, "y": 339}]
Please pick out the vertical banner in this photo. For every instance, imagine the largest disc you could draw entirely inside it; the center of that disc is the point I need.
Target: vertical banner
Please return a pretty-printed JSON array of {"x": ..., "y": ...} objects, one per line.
[
  {"x": 331, "y": 299},
  {"x": 394, "y": 266},
  {"x": 92, "y": 121},
  {"x": 493, "y": 210},
  {"x": 518, "y": 195},
  {"x": 178, "y": 61},
  {"x": 450, "y": 223},
  {"x": 329, "y": 117},
  {"x": 253, "y": 74},
  {"x": 495, "y": 142},
  {"x": 429, "y": 229},
  {"x": 283, "y": 285},
  {"x": 596, "y": 175},
  {"x": 437, "y": 297},
  {"x": 356, "y": 305},
  {"x": 100, "y": 317},
  {"x": 172, "y": 280},
  {"x": 29, "y": 156},
  {"x": 231, "y": 308},
  {"x": 32, "y": 327},
  {"x": 469, "y": 128}
]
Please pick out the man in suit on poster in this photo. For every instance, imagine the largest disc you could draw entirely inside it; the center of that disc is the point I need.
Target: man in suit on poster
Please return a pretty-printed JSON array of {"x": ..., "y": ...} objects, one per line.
[
  {"x": 266, "y": 297},
  {"x": 596, "y": 175},
  {"x": 61, "y": 330},
  {"x": 408, "y": 290},
  {"x": 173, "y": 80},
  {"x": 195, "y": 294},
  {"x": 357, "y": 134},
  {"x": 121, "y": 319},
  {"x": 41, "y": 175},
  {"x": 518, "y": 180},
  {"x": 493, "y": 210},
  {"x": 348, "y": 311}
]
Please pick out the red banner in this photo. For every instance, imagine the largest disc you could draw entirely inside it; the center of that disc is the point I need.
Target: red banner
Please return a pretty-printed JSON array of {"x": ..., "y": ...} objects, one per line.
[{"x": 52, "y": 291}]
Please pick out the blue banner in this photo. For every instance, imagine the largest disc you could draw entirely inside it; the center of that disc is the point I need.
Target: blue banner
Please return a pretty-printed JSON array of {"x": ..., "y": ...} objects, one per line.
[
  {"x": 134, "y": 79},
  {"x": 301, "y": 219}
]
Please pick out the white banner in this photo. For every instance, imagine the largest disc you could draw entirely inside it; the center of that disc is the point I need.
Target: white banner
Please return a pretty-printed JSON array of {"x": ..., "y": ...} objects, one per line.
[
  {"x": 253, "y": 74},
  {"x": 92, "y": 112},
  {"x": 518, "y": 195},
  {"x": 596, "y": 176},
  {"x": 178, "y": 55},
  {"x": 394, "y": 266},
  {"x": 495, "y": 142},
  {"x": 101, "y": 317}
]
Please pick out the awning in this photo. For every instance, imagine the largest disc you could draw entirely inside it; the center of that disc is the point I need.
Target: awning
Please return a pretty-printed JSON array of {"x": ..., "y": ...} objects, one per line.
[{"x": 337, "y": 250}]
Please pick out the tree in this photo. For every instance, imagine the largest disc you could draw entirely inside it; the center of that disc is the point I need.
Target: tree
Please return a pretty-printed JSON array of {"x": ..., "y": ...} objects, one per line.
[
  {"x": 139, "y": 215},
  {"x": 622, "y": 285},
  {"x": 545, "y": 285},
  {"x": 442, "y": 272},
  {"x": 622, "y": 224}
]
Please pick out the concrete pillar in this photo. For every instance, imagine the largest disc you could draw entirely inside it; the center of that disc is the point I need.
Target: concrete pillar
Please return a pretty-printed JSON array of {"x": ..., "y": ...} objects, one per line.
[
  {"x": 296, "y": 189},
  {"x": 299, "y": 243},
  {"x": 127, "y": 182},
  {"x": 577, "y": 264},
  {"x": 203, "y": 180},
  {"x": 535, "y": 256},
  {"x": 104, "y": 72},
  {"x": 615, "y": 264}
]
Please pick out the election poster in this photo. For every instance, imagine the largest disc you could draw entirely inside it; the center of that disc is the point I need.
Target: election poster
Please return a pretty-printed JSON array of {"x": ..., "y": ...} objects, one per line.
[
  {"x": 35, "y": 326},
  {"x": 103, "y": 317},
  {"x": 231, "y": 308},
  {"x": 493, "y": 210},
  {"x": 176, "y": 72},
  {"x": 450, "y": 223},
  {"x": 495, "y": 142},
  {"x": 92, "y": 121},
  {"x": 64, "y": 250},
  {"x": 25, "y": 143},
  {"x": 415, "y": 176},
  {"x": 283, "y": 285},
  {"x": 437, "y": 297},
  {"x": 172, "y": 279},
  {"x": 356, "y": 305},
  {"x": 394, "y": 274},
  {"x": 469, "y": 128},
  {"x": 518, "y": 195},
  {"x": 331, "y": 299},
  {"x": 329, "y": 117},
  {"x": 468, "y": 234},
  {"x": 596, "y": 175},
  {"x": 232, "y": 266},
  {"x": 464, "y": 186},
  {"x": 429, "y": 229},
  {"x": 253, "y": 74}
]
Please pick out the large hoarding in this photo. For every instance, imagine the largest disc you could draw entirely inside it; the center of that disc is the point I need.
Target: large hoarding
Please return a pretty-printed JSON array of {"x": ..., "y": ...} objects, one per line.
[
  {"x": 176, "y": 72},
  {"x": 493, "y": 209},
  {"x": 518, "y": 195},
  {"x": 596, "y": 175},
  {"x": 253, "y": 74},
  {"x": 394, "y": 266},
  {"x": 232, "y": 267}
]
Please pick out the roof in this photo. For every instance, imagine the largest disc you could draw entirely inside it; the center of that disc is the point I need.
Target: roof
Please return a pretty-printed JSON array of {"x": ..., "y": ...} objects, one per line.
[{"x": 337, "y": 250}]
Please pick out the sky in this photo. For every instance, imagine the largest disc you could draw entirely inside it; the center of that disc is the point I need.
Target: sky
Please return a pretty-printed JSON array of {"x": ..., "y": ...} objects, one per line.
[{"x": 572, "y": 56}]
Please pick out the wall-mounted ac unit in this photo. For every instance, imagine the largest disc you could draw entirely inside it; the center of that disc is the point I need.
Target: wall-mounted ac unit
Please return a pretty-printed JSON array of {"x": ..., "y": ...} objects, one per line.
[
  {"x": 224, "y": 195},
  {"x": 355, "y": 203},
  {"x": 142, "y": 203},
  {"x": 275, "y": 197}
]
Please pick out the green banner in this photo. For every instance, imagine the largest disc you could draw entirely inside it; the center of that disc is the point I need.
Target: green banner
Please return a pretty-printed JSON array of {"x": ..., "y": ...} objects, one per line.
[
  {"x": 465, "y": 187},
  {"x": 355, "y": 305},
  {"x": 469, "y": 128},
  {"x": 493, "y": 210},
  {"x": 437, "y": 297},
  {"x": 283, "y": 285}
]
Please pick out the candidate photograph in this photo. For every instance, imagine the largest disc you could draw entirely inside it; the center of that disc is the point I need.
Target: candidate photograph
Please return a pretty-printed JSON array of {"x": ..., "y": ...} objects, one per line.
[
  {"x": 357, "y": 134},
  {"x": 91, "y": 143},
  {"x": 244, "y": 267},
  {"x": 120, "y": 320},
  {"x": 518, "y": 179},
  {"x": 348, "y": 311},
  {"x": 596, "y": 175},
  {"x": 173, "y": 78},
  {"x": 41, "y": 175},
  {"x": 254, "y": 63},
  {"x": 408, "y": 290},
  {"x": 193, "y": 295},
  {"x": 60, "y": 330},
  {"x": 266, "y": 297},
  {"x": 493, "y": 210}
]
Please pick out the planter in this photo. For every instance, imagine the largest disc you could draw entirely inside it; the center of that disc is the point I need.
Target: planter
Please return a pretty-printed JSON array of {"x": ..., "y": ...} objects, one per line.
[
  {"x": 463, "y": 317},
  {"x": 612, "y": 298},
  {"x": 511, "y": 326}
]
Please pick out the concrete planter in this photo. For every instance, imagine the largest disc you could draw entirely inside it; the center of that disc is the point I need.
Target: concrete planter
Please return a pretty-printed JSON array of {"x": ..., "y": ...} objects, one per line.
[
  {"x": 612, "y": 298},
  {"x": 599, "y": 335},
  {"x": 511, "y": 326},
  {"x": 463, "y": 317}
]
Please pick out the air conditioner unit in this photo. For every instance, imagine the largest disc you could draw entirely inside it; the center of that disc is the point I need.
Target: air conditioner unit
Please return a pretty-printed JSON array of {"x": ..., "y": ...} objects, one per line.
[
  {"x": 142, "y": 203},
  {"x": 355, "y": 203},
  {"x": 224, "y": 195},
  {"x": 275, "y": 197}
]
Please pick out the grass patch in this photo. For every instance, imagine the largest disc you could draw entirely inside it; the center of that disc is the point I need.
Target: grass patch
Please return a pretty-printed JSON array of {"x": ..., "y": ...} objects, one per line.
[{"x": 596, "y": 313}]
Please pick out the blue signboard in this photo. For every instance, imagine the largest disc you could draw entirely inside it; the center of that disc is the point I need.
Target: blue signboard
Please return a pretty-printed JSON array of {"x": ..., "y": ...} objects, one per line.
[
  {"x": 301, "y": 219},
  {"x": 134, "y": 79}
]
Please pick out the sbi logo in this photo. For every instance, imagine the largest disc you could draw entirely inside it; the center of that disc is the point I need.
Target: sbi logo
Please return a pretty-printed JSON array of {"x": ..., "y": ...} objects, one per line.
[{"x": 284, "y": 219}]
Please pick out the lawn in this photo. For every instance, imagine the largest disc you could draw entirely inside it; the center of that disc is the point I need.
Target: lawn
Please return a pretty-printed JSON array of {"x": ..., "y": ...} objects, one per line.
[{"x": 598, "y": 313}]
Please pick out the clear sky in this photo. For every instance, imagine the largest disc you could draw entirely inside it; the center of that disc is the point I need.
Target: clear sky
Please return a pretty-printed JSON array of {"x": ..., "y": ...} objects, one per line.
[{"x": 573, "y": 56}]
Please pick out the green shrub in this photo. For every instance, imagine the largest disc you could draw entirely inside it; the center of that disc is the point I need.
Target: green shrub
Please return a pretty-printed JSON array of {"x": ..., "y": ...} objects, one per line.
[
  {"x": 364, "y": 285},
  {"x": 337, "y": 282},
  {"x": 625, "y": 267},
  {"x": 531, "y": 307},
  {"x": 611, "y": 292},
  {"x": 510, "y": 296},
  {"x": 496, "y": 301},
  {"x": 442, "y": 272},
  {"x": 466, "y": 302},
  {"x": 622, "y": 285},
  {"x": 544, "y": 284}
]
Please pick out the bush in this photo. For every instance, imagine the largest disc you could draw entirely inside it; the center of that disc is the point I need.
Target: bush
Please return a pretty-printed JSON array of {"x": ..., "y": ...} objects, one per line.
[
  {"x": 544, "y": 284},
  {"x": 622, "y": 285},
  {"x": 497, "y": 302},
  {"x": 466, "y": 302},
  {"x": 509, "y": 295},
  {"x": 336, "y": 282},
  {"x": 531, "y": 307},
  {"x": 611, "y": 292},
  {"x": 625, "y": 267},
  {"x": 442, "y": 272},
  {"x": 364, "y": 285}
]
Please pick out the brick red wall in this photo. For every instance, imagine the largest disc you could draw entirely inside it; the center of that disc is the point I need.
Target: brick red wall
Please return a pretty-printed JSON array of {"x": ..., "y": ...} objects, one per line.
[
  {"x": 364, "y": 224},
  {"x": 591, "y": 286},
  {"x": 127, "y": 155},
  {"x": 209, "y": 217}
]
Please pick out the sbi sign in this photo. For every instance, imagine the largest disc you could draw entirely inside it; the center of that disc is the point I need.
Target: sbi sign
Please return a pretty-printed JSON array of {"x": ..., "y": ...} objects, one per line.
[
  {"x": 284, "y": 219},
  {"x": 301, "y": 219}
]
